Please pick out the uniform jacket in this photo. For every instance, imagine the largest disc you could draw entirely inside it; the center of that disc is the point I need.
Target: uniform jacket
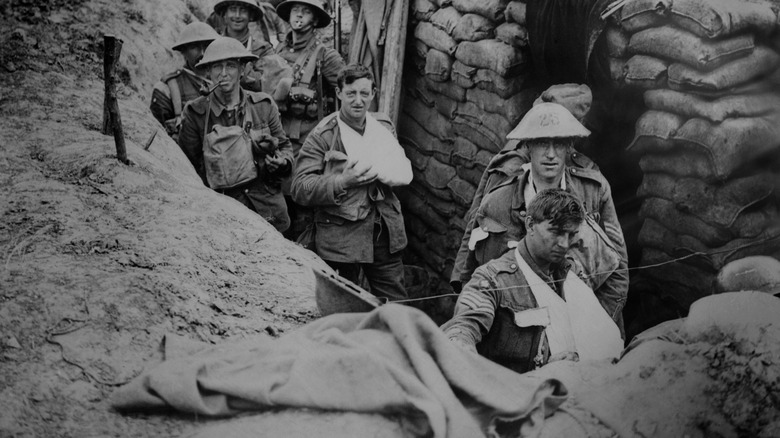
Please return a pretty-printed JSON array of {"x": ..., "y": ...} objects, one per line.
[
  {"x": 499, "y": 209},
  {"x": 484, "y": 315},
  {"x": 344, "y": 218},
  {"x": 189, "y": 86},
  {"x": 332, "y": 63},
  {"x": 264, "y": 192}
]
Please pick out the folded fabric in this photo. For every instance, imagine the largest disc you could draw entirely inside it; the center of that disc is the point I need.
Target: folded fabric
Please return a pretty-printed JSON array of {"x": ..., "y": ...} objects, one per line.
[{"x": 394, "y": 360}]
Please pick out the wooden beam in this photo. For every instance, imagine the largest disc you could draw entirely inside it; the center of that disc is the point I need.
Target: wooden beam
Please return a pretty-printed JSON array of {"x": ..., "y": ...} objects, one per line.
[{"x": 112, "y": 122}]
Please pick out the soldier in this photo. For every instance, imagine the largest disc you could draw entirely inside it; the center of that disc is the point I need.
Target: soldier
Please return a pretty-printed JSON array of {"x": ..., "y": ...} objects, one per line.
[
  {"x": 346, "y": 171},
  {"x": 545, "y": 158},
  {"x": 176, "y": 89},
  {"x": 315, "y": 71},
  {"x": 527, "y": 307},
  {"x": 269, "y": 27},
  {"x": 234, "y": 138}
]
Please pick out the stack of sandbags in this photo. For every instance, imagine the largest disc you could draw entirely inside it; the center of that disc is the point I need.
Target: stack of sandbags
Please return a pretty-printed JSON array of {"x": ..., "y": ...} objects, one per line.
[
  {"x": 464, "y": 72},
  {"x": 712, "y": 125}
]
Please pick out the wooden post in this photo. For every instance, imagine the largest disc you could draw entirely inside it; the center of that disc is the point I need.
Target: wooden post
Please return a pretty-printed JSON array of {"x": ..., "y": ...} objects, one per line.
[
  {"x": 112, "y": 122},
  {"x": 393, "y": 60}
]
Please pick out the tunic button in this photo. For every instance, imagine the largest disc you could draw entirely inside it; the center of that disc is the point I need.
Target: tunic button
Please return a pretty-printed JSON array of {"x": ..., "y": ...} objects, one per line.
[
  {"x": 523, "y": 213},
  {"x": 513, "y": 266},
  {"x": 574, "y": 155},
  {"x": 574, "y": 171},
  {"x": 292, "y": 50},
  {"x": 246, "y": 190},
  {"x": 484, "y": 284}
]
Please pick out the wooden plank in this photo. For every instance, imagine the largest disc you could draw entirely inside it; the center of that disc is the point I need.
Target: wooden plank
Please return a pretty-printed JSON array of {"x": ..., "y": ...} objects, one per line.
[
  {"x": 112, "y": 48},
  {"x": 393, "y": 62}
]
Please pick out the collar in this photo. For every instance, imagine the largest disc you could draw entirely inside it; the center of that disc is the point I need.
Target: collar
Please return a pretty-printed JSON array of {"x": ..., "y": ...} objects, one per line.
[
  {"x": 218, "y": 108},
  {"x": 301, "y": 43},
  {"x": 553, "y": 277},
  {"x": 351, "y": 123}
]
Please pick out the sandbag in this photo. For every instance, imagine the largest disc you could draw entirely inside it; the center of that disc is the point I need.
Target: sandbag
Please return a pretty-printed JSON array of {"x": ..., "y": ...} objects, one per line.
[
  {"x": 473, "y": 27},
  {"x": 430, "y": 119},
  {"x": 654, "y": 131},
  {"x": 416, "y": 157},
  {"x": 462, "y": 74},
  {"x": 760, "y": 62},
  {"x": 717, "y": 204},
  {"x": 462, "y": 191},
  {"x": 637, "y": 15},
  {"x": 732, "y": 143},
  {"x": 420, "y": 49},
  {"x": 438, "y": 66},
  {"x": 435, "y": 38},
  {"x": 759, "y": 273},
  {"x": 438, "y": 174},
  {"x": 718, "y": 110},
  {"x": 413, "y": 134},
  {"x": 512, "y": 108},
  {"x": 488, "y": 131},
  {"x": 464, "y": 152},
  {"x": 492, "y": 55},
  {"x": 491, "y": 81},
  {"x": 684, "y": 282},
  {"x": 446, "y": 19},
  {"x": 646, "y": 72},
  {"x": 669, "y": 42},
  {"x": 617, "y": 41},
  {"x": 577, "y": 98},
  {"x": 443, "y": 104},
  {"x": 423, "y": 9},
  {"x": 515, "y": 12},
  {"x": 491, "y": 9},
  {"x": 679, "y": 162},
  {"x": 513, "y": 34},
  {"x": 748, "y": 224},
  {"x": 720, "y": 18},
  {"x": 449, "y": 89}
]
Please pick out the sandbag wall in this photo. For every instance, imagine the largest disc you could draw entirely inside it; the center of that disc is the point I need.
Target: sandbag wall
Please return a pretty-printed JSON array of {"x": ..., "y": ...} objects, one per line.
[
  {"x": 709, "y": 137},
  {"x": 464, "y": 70}
]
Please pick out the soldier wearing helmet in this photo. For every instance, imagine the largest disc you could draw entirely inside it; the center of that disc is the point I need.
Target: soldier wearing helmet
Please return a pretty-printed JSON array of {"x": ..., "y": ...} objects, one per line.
[
  {"x": 544, "y": 157},
  {"x": 234, "y": 138},
  {"x": 528, "y": 307},
  {"x": 306, "y": 99},
  {"x": 174, "y": 90}
]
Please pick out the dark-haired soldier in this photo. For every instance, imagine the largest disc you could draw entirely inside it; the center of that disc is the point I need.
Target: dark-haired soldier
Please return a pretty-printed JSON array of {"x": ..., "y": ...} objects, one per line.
[
  {"x": 528, "y": 307},
  {"x": 345, "y": 172}
]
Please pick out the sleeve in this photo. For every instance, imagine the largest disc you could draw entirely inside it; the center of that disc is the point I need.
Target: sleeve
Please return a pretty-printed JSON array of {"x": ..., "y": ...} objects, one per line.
[
  {"x": 275, "y": 125},
  {"x": 474, "y": 311},
  {"x": 191, "y": 140},
  {"x": 161, "y": 106},
  {"x": 613, "y": 293},
  {"x": 465, "y": 263},
  {"x": 310, "y": 187},
  {"x": 331, "y": 66}
]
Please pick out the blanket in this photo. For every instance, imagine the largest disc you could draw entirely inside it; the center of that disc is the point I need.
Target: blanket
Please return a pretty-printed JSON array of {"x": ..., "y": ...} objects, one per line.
[{"x": 393, "y": 360}]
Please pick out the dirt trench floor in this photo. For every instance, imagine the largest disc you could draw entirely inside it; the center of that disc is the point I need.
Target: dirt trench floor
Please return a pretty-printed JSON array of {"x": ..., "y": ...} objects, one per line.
[{"x": 99, "y": 260}]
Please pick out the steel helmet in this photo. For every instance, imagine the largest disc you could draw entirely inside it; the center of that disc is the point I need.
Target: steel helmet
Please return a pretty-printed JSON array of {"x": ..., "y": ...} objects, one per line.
[
  {"x": 548, "y": 120},
  {"x": 224, "y": 48},
  {"x": 320, "y": 9},
  {"x": 196, "y": 32},
  {"x": 255, "y": 13}
]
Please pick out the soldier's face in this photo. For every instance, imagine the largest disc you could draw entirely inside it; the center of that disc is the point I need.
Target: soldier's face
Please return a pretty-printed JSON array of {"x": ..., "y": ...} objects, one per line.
[
  {"x": 226, "y": 73},
  {"x": 548, "y": 158},
  {"x": 301, "y": 17},
  {"x": 193, "y": 53},
  {"x": 356, "y": 97},
  {"x": 237, "y": 18},
  {"x": 549, "y": 243}
]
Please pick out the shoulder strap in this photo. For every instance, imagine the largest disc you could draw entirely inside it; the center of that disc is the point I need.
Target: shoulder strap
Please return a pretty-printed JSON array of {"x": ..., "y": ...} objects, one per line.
[
  {"x": 311, "y": 64},
  {"x": 173, "y": 85}
]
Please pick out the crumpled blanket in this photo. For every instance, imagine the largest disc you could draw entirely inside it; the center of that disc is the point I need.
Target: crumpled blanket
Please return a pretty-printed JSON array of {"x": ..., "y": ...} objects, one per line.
[{"x": 393, "y": 360}]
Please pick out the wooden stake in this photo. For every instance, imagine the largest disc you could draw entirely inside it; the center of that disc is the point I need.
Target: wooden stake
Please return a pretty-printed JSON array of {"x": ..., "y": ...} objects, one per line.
[{"x": 112, "y": 122}]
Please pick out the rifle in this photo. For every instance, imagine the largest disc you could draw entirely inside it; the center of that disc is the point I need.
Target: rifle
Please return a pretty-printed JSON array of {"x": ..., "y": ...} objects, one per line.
[{"x": 336, "y": 40}]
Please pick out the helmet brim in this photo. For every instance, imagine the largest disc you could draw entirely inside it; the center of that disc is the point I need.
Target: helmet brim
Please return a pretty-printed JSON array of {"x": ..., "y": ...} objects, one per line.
[{"x": 284, "y": 8}]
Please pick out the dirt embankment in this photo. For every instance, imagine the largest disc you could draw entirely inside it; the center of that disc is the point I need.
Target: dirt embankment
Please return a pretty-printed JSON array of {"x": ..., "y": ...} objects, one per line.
[{"x": 100, "y": 260}]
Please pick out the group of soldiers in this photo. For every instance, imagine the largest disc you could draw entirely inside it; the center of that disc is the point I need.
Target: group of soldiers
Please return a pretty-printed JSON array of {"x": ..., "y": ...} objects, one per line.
[{"x": 542, "y": 268}]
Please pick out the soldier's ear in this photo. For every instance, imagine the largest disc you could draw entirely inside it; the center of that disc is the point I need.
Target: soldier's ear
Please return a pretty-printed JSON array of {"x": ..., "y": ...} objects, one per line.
[{"x": 529, "y": 222}]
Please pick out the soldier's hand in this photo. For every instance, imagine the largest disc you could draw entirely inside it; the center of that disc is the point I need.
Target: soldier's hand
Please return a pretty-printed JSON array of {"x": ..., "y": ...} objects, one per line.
[
  {"x": 356, "y": 175},
  {"x": 274, "y": 163}
]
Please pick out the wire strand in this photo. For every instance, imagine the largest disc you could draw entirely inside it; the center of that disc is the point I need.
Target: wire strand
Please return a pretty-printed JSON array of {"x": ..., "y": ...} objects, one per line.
[{"x": 636, "y": 268}]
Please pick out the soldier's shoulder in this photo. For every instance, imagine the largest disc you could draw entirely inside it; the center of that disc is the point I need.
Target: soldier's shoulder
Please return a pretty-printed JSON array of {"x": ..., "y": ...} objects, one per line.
[
  {"x": 172, "y": 75},
  {"x": 258, "y": 96},
  {"x": 198, "y": 105},
  {"x": 383, "y": 118},
  {"x": 328, "y": 123}
]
